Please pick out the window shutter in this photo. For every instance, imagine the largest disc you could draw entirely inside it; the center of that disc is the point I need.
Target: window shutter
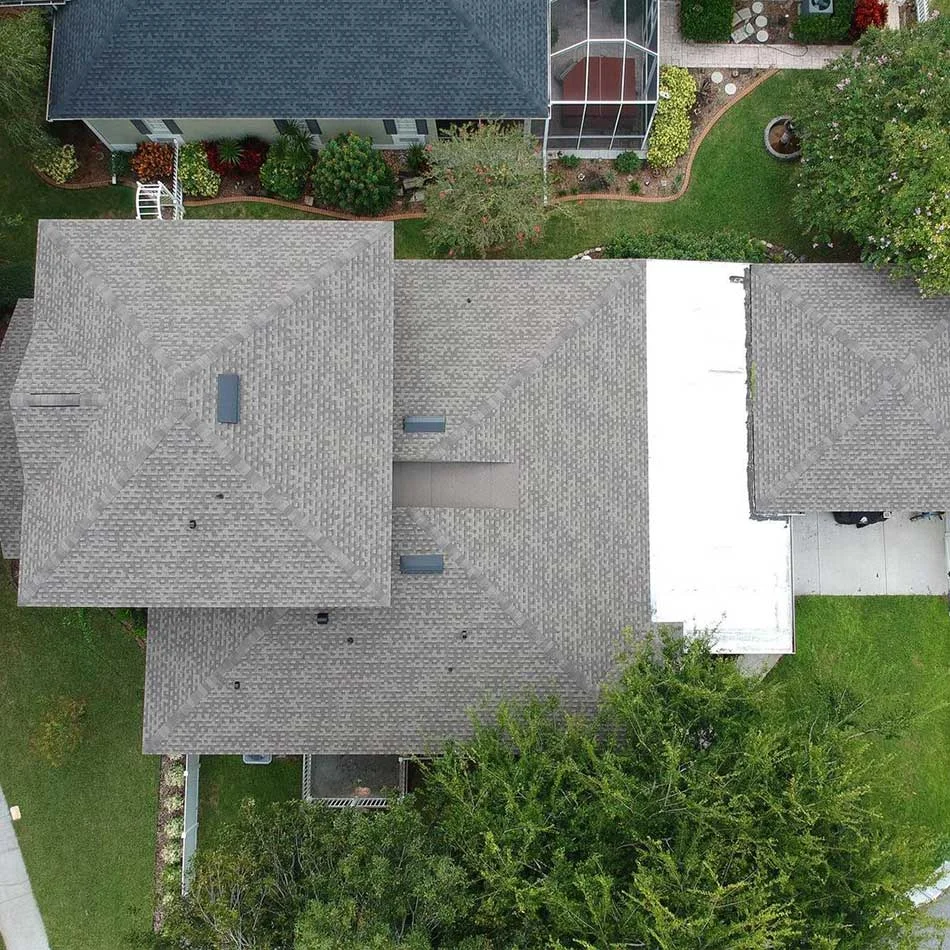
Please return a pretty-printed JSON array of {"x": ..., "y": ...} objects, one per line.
[
  {"x": 282, "y": 125},
  {"x": 422, "y": 126},
  {"x": 390, "y": 126},
  {"x": 140, "y": 126},
  {"x": 172, "y": 126},
  {"x": 314, "y": 127}
]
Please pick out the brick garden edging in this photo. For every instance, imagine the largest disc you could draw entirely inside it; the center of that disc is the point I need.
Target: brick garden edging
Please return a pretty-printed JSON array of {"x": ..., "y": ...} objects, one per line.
[
  {"x": 293, "y": 205},
  {"x": 408, "y": 215},
  {"x": 694, "y": 148}
]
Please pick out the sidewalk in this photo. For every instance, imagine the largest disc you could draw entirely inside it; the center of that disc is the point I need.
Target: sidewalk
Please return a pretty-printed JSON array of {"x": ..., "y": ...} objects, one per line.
[
  {"x": 20, "y": 921},
  {"x": 675, "y": 51}
]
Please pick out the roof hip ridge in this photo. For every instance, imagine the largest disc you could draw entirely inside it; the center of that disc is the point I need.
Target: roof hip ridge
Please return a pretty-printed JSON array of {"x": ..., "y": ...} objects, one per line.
[
  {"x": 284, "y": 506},
  {"x": 275, "y": 310},
  {"x": 491, "y": 403},
  {"x": 216, "y": 676}
]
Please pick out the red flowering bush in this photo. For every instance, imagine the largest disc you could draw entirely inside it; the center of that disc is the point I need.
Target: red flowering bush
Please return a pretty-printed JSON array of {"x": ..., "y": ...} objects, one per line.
[
  {"x": 869, "y": 13},
  {"x": 253, "y": 154},
  {"x": 151, "y": 161}
]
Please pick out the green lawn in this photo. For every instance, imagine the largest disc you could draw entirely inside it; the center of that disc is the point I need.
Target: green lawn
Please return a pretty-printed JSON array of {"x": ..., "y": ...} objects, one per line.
[
  {"x": 225, "y": 781},
  {"x": 890, "y": 656},
  {"x": 88, "y": 826},
  {"x": 734, "y": 185},
  {"x": 23, "y": 193}
]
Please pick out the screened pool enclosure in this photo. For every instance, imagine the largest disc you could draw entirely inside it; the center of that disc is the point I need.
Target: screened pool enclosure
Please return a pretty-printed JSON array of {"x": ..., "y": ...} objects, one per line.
[{"x": 604, "y": 76}]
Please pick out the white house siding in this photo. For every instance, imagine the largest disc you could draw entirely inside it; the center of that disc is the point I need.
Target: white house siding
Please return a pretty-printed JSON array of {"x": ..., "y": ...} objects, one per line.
[{"x": 120, "y": 133}]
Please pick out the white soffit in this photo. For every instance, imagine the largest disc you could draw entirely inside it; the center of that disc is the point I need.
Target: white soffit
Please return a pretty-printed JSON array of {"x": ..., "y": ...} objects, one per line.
[{"x": 712, "y": 567}]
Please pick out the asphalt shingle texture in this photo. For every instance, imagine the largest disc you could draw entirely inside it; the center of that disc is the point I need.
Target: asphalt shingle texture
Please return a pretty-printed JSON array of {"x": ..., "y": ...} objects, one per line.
[
  {"x": 850, "y": 404},
  {"x": 538, "y": 363},
  {"x": 293, "y": 502},
  {"x": 12, "y": 348},
  {"x": 450, "y": 59}
]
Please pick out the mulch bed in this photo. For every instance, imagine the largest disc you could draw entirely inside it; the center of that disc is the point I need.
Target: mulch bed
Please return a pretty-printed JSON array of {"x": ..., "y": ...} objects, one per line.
[
  {"x": 654, "y": 183},
  {"x": 93, "y": 156},
  {"x": 167, "y": 789}
]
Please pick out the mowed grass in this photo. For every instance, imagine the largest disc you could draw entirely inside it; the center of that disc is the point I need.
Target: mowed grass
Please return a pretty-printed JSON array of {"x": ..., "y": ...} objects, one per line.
[
  {"x": 887, "y": 659},
  {"x": 225, "y": 781},
  {"x": 735, "y": 186},
  {"x": 88, "y": 826},
  {"x": 24, "y": 194}
]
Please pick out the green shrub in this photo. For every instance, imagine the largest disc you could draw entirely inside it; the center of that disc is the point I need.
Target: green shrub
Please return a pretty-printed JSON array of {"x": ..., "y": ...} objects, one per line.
[
  {"x": 120, "y": 163},
  {"x": 194, "y": 173},
  {"x": 352, "y": 176},
  {"x": 174, "y": 827},
  {"x": 288, "y": 163},
  {"x": 569, "y": 161},
  {"x": 628, "y": 162},
  {"x": 417, "y": 159},
  {"x": 58, "y": 163},
  {"x": 670, "y": 136},
  {"x": 171, "y": 851},
  {"x": 832, "y": 27},
  {"x": 634, "y": 187},
  {"x": 706, "y": 21},
  {"x": 60, "y": 731},
  {"x": 688, "y": 246}
]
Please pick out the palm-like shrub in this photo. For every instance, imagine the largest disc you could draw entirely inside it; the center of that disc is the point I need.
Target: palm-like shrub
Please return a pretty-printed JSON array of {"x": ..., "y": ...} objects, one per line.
[
  {"x": 352, "y": 176},
  {"x": 289, "y": 160}
]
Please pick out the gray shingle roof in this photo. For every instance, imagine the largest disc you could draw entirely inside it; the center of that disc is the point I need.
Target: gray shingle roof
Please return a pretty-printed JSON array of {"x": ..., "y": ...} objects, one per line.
[
  {"x": 538, "y": 363},
  {"x": 850, "y": 405},
  {"x": 12, "y": 348},
  {"x": 300, "y": 59},
  {"x": 291, "y": 504}
]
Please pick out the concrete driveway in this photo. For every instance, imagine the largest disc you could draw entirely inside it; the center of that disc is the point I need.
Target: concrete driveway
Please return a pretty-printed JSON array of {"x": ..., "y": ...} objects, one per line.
[
  {"x": 20, "y": 921},
  {"x": 899, "y": 556}
]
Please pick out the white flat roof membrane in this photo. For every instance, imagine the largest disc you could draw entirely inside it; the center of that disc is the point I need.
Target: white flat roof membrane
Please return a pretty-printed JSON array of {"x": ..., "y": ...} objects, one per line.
[{"x": 712, "y": 567}]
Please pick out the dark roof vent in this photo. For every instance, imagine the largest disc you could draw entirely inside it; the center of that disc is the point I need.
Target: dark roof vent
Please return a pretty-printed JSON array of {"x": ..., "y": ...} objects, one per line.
[
  {"x": 53, "y": 400},
  {"x": 421, "y": 564},
  {"x": 323, "y": 618},
  {"x": 229, "y": 398},
  {"x": 423, "y": 423}
]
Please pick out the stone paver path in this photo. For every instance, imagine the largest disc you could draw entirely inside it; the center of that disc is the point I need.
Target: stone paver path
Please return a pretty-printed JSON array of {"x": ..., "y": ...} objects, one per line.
[
  {"x": 20, "y": 921},
  {"x": 675, "y": 51}
]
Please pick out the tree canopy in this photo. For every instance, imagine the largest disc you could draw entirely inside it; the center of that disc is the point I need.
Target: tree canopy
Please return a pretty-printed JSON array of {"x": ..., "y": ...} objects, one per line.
[
  {"x": 876, "y": 153},
  {"x": 689, "y": 812},
  {"x": 24, "y": 59},
  {"x": 486, "y": 190}
]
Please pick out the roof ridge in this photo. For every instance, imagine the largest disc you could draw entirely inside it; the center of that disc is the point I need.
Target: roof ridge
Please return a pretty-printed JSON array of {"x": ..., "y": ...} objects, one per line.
[
  {"x": 490, "y": 405},
  {"x": 484, "y": 40},
  {"x": 97, "y": 284},
  {"x": 93, "y": 55},
  {"x": 216, "y": 676},
  {"x": 283, "y": 505},
  {"x": 494, "y": 593},
  {"x": 119, "y": 480},
  {"x": 282, "y": 303}
]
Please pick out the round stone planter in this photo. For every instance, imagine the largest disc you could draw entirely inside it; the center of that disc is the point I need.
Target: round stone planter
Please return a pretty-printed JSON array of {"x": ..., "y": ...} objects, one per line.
[{"x": 784, "y": 152}]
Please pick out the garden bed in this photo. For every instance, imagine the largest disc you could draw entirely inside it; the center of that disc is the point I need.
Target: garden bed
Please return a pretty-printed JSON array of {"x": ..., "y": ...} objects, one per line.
[{"x": 592, "y": 176}]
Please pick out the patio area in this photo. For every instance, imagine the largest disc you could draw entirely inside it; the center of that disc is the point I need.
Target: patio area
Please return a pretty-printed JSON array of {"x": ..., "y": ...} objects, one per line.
[
  {"x": 340, "y": 776},
  {"x": 898, "y": 556}
]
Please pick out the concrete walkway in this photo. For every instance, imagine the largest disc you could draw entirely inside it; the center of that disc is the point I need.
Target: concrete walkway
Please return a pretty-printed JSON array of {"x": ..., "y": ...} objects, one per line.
[
  {"x": 20, "y": 921},
  {"x": 675, "y": 51}
]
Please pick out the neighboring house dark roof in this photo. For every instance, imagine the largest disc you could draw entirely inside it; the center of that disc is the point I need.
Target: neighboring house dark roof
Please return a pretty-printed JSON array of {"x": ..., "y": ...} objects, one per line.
[
  {"x": 12, "y": 348},
  {"x": 541, "y": 364},
  {"x": 850, "y": 391},
  {"x": 450, "y": 59},
  {"x": 136, "y": 494}
]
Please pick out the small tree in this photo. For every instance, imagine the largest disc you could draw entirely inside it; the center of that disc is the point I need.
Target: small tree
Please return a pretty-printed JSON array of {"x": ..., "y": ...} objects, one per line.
[
  {"x": 486, "y": 192},
  {"x": 24, "y": 60},
  {"x": 352, "y": 176},
  {"x": 876, "y": 153}
]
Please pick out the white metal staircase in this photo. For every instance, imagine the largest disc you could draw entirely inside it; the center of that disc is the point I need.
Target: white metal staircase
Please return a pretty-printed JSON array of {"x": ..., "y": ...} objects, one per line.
[{"x": 155, "y": 201}]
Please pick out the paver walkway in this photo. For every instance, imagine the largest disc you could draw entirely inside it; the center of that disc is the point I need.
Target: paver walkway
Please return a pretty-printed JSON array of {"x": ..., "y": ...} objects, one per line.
[
  {"x": 20, "y": 921},
  {"x": 675, "y": 51}
]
